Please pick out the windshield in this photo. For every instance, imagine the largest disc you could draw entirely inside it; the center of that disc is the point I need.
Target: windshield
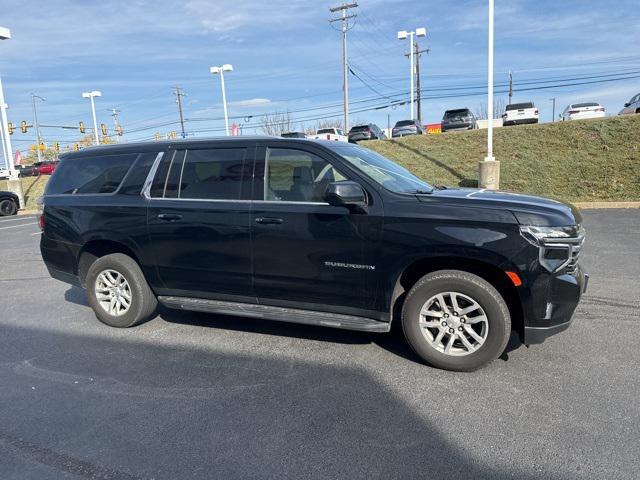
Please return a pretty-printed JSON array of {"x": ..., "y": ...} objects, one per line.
[
  {"x": 382, "y": 170},
  {"x": 405, "y": 123},
  {"x": 326, "y": 130},
  {"x": 581, "y": 105}
]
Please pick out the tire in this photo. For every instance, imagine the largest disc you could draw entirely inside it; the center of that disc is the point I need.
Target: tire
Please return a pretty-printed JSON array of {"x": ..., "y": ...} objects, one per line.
[
  {"x": 142, "y": 303},
  {"x": 494, "y": 328},
  {"x": 8, "y": 207}
]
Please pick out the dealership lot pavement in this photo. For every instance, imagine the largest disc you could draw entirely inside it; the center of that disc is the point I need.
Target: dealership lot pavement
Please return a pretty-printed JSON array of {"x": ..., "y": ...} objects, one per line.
[{"x": 200, "y": 396}]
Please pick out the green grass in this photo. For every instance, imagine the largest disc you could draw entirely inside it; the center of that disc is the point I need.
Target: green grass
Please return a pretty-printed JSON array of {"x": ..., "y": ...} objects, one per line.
[
  {"x": 576, "y": 161},
  {"x": 32, "y": 188}
]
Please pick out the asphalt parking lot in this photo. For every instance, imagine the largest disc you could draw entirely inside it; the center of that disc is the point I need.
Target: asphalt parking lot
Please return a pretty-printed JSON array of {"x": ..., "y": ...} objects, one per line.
[{"x": 191, "y": 395}]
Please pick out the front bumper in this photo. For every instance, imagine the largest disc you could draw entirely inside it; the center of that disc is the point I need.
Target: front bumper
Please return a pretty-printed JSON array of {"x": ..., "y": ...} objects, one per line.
[
  {"x": 559, "y": 302},
  {"x": 519, "y": 121},
  {"x": 448, "y": 127}
]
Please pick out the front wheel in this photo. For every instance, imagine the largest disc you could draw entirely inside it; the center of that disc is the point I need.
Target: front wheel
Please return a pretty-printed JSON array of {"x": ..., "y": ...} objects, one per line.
[
  {"x": 118, "y": 292},
  {"x": 456, "y": 320}
]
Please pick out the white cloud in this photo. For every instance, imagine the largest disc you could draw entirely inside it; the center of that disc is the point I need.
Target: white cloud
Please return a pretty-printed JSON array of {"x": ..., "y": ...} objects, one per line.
[{"x": 251, "y": 102}]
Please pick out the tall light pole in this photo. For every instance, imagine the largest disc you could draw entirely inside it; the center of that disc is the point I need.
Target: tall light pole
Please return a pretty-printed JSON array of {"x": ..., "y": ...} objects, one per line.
[
  {"x": 13, "y": 183},
  {"x": 35, "y": 123},
  {"x": 345, "y": 27},
  {"x": 403, "y": 35},
  {"x": 489, "y": 175},
  {"x": 116, "y": 125},
  {"x": 91, "y": 95},
  {"x": 220, "y": 70},
  {"x": 553, "y": 114}
]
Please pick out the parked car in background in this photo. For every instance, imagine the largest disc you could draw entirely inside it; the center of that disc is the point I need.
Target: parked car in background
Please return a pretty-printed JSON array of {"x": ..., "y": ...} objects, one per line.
[
  {"x": 27, "y": 170},
  {"x": 46, "y": 168},
  {"x": 9, "y": 203},
  {"x": 406, "y": 127},
  {"x": 581, "y": 111},
  {"x": 632, "y": 106},
  {"x": 294, "y": 135},
  {"x": 370, "y": 131},
  {"x": 4, "y": 173},
  {"x": 459, "y": 119},
  {"x": 519, "y": 113},
  {"x": 332, "y": 134}
]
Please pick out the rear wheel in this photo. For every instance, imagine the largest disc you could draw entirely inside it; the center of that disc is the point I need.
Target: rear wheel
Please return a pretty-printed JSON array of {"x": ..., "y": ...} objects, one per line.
[
  {"x": 118, "y": 292},
  {"x": 8, "y": 207},
  {"x": 456, "y": 320}
]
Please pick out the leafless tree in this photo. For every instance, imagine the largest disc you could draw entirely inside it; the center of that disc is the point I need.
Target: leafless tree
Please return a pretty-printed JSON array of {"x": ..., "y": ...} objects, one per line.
[
  {"x": 498, "y": 109},
  {"x": 277, "y": 123},
  {"x": 325, "y": 123}
]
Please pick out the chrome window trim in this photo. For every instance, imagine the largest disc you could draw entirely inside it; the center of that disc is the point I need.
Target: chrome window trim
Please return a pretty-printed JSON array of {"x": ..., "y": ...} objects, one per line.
[{"x": 146, "y": 189}]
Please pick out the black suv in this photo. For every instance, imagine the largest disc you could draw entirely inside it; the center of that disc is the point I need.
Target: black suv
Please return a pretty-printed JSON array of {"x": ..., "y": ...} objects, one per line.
[
  {"x": 369, "y": 131},
  {"x": 460, "y": 119},
  {"x": 315, "y": 232}
]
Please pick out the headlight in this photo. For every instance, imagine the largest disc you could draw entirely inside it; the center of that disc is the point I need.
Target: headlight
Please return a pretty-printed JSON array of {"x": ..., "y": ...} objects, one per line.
[{"x": 558, "y": 246}]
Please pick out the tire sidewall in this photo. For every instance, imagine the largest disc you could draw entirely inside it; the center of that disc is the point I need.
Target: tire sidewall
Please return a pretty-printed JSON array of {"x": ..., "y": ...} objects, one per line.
[
  {"x": 12, "y": 208},
  {"x": 112, "y": 262},
  {"x": 478, "y": 289}
]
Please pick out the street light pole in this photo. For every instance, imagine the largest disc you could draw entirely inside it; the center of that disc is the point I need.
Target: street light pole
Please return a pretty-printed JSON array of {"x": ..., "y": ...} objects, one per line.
[
  {"x": 36, "y": 124},
  {"x": 553, "y": 114},
  {"x": 489, "y": 175},
  {"x": 91, "y": 95},
  {"x": 403, "y": 35},
  {"x": 220, "y": 70}
]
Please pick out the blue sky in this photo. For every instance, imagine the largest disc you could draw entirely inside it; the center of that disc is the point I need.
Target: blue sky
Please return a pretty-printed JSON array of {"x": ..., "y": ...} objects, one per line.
[{"x": 287, "y": 57}]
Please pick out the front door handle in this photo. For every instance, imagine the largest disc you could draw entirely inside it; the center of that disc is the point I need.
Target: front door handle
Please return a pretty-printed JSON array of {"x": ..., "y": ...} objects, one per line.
[
  {"x": 269, "y": 220},
  {"x": 169, "y": 217}
]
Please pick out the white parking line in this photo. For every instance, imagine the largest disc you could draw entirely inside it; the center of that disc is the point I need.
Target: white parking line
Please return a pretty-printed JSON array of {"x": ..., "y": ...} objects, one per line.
[
  {"x": 16, "y": 226},
  {"x": 16, "y": 219},
  {"x": 37, "y": 233}
]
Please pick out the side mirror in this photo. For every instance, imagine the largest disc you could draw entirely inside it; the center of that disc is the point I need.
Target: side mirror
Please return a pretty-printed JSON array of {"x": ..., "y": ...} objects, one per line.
[
  {"x": 346, "y": 194},
  {"x": 626, "y": 104}
]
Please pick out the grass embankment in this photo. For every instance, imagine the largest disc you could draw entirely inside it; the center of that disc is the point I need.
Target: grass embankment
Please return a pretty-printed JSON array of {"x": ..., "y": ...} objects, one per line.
[
  {"x": 32, "y": 188},
  {"x": 576, "y": 161}
]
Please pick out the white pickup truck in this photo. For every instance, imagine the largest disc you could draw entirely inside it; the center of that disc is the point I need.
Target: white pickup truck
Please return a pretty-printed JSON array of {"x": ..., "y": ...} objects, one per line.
[
  {"x": 518, "y": 113},
  {"x": 335, "y": 134}
]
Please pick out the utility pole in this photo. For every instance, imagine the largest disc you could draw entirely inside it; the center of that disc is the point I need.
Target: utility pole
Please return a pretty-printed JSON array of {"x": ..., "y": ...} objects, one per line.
[
  {"x": 114, "y": 114},
  {"x": 418, "y": 91},
  {"x": 510, "y": 86},
  {"x": 344, "y": 18},
  {"x": 553, "y": 115},
  {"x": 36, "y": 125},
  {"x": 179, "y": 94}
]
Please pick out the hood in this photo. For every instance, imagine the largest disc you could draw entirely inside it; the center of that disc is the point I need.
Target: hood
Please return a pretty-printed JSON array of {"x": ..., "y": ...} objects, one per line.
[{"x": 528, "y": 209}]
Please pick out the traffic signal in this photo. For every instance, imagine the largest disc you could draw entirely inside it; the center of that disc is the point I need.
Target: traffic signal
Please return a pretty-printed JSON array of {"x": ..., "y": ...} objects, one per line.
[
  {"x": 42, "y": 147},
  {"x": 56, "y": 147},
  {"x": 82, "y": 129},
  {"x": 157, "y": 136},
  {"x": 11, "y": 127},
  {"x": 103, "y": 127},
  {"x": 23, "y": 126},
  {"x": 119, "y": 130},
  {"x": 76, "y": 146}
]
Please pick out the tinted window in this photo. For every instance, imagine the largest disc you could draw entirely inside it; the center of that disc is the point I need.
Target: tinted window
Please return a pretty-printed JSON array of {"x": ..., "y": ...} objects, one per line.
[
  {"x": 588, "y": 104},
  {"x": 100, "y": 174},
  {"x": 457, "y": 113},
  {"x": 519, "y": 106},
  {"x": 405, "y": 123},
  {"x": 215, "y": 174},
  {"x": 134, "y": 181},
  {"x": 297, "y": 176},
  {"x": 326, "y": 130},
  {"x": 360, "y": 128},
  {"x": 160, "y": 180}
]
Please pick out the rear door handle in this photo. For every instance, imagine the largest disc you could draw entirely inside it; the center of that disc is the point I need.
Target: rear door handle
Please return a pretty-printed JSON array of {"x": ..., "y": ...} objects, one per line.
[
  {"x": 269, "y": 220},
  {"x": 170, "y": 217}
]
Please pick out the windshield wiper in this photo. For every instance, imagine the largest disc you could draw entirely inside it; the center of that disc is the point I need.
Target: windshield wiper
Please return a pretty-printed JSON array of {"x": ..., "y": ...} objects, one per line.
[{"x": 421, "y": 191}]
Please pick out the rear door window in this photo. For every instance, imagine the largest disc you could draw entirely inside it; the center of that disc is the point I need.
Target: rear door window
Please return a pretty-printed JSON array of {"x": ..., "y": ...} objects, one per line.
[{"x": 91, "y": 175}]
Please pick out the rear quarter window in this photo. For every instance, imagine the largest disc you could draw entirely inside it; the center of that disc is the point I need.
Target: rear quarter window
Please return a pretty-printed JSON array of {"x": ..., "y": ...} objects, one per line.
[{"x": 90, "y": 175}]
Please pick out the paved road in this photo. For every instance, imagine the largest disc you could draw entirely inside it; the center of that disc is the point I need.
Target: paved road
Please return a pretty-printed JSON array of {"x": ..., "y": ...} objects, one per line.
[{"x": 200, "y": 396}]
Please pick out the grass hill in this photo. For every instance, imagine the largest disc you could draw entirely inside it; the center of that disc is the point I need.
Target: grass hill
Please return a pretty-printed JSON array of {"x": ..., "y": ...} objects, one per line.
[{"x": 585, "y": 160}]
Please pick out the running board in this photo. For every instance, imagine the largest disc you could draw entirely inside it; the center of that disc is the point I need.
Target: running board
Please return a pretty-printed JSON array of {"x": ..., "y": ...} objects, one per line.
[{"x": 282, "y": 314}]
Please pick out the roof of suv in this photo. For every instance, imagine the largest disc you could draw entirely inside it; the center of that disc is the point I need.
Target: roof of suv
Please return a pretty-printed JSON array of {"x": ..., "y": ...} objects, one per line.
[{"x": 157, "y": 145}]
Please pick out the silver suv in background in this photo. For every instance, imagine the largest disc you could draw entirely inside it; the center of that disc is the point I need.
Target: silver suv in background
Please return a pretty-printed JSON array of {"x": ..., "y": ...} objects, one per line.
[
  {"x": 406, "y": 127},
  {"x": 632, "y": 106},
  {"x": 459, "y": 119}
]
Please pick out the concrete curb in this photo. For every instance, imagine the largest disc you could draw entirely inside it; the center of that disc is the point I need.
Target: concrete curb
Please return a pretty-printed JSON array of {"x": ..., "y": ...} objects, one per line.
[
  {"x": 27, "y": 212},
  {"x": 584, "y": 205}
]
